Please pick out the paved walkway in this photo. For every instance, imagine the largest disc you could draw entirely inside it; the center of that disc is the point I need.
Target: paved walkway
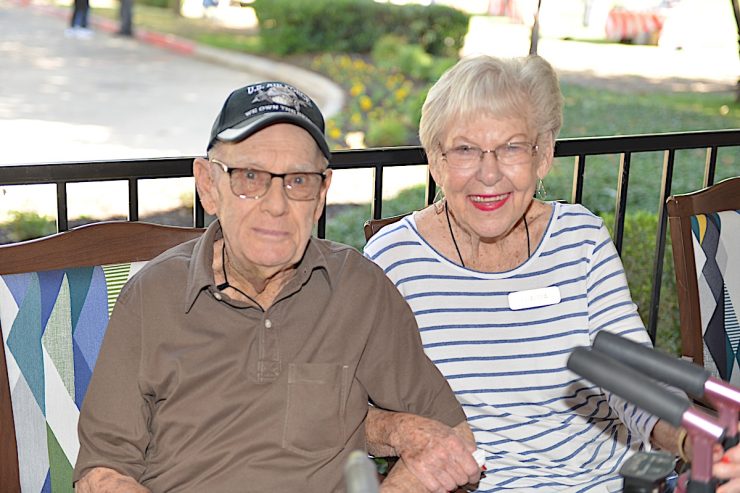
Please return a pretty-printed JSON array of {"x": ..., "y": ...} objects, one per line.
[{"x": 64, "y": 99}]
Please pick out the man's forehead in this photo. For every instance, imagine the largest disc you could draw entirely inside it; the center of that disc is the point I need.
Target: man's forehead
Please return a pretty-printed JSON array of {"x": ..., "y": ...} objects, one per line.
[{"x": 276, "y": 159}]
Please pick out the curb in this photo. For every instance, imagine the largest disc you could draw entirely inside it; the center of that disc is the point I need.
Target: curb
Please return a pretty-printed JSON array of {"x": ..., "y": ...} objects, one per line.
[{"x": 328, "y": 95}]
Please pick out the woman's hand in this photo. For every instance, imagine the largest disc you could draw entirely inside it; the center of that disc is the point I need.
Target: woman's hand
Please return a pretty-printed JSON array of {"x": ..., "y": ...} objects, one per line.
[{"x": 727, "y": 466}]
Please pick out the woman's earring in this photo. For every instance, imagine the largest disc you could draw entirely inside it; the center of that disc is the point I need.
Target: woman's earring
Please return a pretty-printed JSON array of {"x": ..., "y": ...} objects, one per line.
[
  {"x": 439, "y": 205},
  {"x": 541, "y": 193}
]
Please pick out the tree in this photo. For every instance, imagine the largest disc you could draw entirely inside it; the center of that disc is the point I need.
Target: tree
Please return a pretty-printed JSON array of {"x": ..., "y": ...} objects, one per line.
[{"x": 535, "y": 36}]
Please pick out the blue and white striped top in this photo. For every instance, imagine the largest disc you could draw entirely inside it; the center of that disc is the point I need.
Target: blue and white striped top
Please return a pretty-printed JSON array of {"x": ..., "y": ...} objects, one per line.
[{"x": 543, "y": 427}]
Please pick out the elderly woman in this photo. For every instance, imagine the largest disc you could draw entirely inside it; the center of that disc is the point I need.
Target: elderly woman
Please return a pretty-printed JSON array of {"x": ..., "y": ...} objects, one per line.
[{"x": 504, "y": 286}]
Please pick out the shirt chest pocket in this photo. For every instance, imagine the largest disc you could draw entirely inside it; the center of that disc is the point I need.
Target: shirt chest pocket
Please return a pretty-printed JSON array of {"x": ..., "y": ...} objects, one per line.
[{"x": 315, "y": 410}]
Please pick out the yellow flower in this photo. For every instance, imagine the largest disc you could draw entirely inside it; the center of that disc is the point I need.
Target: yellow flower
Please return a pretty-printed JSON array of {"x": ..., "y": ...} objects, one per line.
[
  {"x": 357, "y": 89},
  {"x": 401, "y": 94},
  {"x": 356, "y": 119},
  {"x": 365, "y": 103},
  {"x": 335, "y": 133}
]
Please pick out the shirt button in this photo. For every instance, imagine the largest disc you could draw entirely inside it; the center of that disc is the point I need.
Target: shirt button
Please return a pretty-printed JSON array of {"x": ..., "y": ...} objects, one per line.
[
  {"x": 217, "y": 296},
  {"x": 268, "y": 324}
]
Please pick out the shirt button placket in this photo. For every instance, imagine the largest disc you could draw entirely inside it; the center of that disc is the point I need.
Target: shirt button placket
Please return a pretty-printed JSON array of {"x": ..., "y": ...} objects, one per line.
[{"x": 270, "y": 351}]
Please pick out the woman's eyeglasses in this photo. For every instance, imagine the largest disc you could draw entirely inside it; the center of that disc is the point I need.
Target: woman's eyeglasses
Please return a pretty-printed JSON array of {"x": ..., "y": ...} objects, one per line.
[{"x": 511, "y": 153}]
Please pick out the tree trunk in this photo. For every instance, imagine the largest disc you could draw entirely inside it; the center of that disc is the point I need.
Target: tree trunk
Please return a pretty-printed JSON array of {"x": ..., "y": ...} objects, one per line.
[
  {"x": 175, "y": 5},
  {"x": 736, "y": 9},
  {"x": 535, "y": 37}
]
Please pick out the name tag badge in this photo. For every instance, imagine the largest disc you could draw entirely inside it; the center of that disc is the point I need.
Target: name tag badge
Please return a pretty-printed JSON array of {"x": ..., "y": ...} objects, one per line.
[{"x": 534, "y": 297}]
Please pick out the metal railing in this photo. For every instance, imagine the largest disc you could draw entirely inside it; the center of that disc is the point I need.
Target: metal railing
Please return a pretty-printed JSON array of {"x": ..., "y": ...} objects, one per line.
[{"x": 379, "y": 159}]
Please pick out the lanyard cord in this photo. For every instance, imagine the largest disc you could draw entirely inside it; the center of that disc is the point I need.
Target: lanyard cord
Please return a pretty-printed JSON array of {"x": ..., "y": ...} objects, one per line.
[{"x": 454, "y": 241}]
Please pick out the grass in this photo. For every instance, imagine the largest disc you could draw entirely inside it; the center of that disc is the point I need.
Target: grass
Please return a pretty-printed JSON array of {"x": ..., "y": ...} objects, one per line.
[{"x": 591, "y": 111}]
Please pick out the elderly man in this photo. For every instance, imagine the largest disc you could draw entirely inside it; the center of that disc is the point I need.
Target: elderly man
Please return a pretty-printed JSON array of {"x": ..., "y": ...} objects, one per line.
[{"x": 244, "y": 360}]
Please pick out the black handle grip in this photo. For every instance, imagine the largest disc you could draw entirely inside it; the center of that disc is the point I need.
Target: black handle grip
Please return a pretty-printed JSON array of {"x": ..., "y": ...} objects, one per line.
[
  {"x": 627, "y": 383},
  {"x": 686, "y": 376}
]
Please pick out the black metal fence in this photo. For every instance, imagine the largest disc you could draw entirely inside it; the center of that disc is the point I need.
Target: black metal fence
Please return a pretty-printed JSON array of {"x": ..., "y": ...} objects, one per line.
[{"x": 580, "y": 149}]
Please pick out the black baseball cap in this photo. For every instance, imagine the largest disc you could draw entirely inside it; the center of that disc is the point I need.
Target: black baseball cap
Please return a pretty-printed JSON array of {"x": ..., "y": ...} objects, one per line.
[{"x": 252, "y": 108}]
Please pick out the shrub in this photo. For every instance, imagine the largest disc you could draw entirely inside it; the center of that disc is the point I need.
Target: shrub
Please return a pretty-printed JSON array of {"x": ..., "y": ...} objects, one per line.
[
  {"x": 415, "y": 105},
  {"x": 414, "y": 61},
  {"x": 393, "y": 53},
  {"x": 386, "y": 132},
  {"x": 376, "y": 95},
  {"x": 346, "y": 226},
  {"x": 27, "y": 226},
  {"x": 385, "y": 51},
  {"x": 354, "y": 26},
  {"x": 440, "y": 65},
  {"x": 439, "y": 29},
  {"x": 638, "y": 250}
]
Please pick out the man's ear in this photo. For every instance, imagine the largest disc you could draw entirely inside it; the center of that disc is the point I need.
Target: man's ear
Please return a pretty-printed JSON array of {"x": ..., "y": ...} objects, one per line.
[
  {"x": 322, "y": 195},
  {"x": 204, "y": 183}
]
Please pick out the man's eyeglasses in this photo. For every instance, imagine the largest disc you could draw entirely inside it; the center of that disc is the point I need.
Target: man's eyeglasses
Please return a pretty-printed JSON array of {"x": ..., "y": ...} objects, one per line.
[
  {"x": 510, "y": 154},
  {"x": 248, "y": 183}
]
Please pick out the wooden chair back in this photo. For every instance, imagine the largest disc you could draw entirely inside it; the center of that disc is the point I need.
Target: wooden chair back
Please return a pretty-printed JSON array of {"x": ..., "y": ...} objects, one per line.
[
  {"x": 55, "y": 297},
  {"x": 705, "y": 236},
  {"x": 372, "y": 226}
]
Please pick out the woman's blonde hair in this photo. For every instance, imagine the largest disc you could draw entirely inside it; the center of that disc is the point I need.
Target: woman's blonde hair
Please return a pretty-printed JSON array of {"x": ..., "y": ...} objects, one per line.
[{"x": 524, "y": 87}]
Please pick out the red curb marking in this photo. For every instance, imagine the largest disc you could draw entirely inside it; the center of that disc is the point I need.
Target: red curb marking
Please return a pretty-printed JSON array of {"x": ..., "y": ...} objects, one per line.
[{"x": 167, "y": 41}]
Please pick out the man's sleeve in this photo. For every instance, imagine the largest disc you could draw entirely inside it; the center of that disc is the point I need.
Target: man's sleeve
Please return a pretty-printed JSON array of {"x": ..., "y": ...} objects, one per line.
[
  {"x": 113, "y": 427},
  {"x": 394, "y": 368}
]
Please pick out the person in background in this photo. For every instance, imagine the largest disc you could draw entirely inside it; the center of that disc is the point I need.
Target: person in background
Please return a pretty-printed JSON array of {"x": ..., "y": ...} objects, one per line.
[
  {"x": 504, "y": 286},
  {"x": 244, "y": 360},
  {"x": 78, "y": 22},
  {"x": 126, "y": 14}
]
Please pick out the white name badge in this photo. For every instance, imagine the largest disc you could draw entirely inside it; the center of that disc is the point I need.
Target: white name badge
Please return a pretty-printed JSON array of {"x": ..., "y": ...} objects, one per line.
[{"x": 534, "y": 298}]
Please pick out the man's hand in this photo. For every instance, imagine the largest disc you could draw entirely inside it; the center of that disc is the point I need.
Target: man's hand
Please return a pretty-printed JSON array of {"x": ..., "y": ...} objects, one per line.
[
  {"x": 104, "y": 480},
  {"x": 439, "y": 456}
]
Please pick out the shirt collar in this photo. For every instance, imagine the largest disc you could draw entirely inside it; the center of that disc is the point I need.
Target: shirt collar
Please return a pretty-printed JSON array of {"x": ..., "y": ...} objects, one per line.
[{"x": 200, "y": 273}]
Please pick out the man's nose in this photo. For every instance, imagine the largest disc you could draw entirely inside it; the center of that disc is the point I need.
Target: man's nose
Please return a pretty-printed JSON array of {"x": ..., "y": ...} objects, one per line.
[{"x": 275, "y": 200}]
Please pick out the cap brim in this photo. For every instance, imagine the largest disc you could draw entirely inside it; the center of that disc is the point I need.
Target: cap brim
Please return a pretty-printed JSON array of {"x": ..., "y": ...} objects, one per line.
[{"x": 254, "y": 125}]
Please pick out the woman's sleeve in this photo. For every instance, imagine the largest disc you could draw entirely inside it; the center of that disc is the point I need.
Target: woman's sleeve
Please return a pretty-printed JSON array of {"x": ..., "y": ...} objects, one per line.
[{"x": 610, "y": 308}]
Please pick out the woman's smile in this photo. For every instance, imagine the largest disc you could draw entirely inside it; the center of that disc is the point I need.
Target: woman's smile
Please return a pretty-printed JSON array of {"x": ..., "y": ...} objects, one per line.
[{"x": 489, "y": 202}]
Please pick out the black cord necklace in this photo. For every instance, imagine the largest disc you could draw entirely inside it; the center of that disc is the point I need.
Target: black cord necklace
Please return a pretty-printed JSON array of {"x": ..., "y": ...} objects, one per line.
[
  {"x": 226, "y": 284},
  {"x": 454, "y": 241}
]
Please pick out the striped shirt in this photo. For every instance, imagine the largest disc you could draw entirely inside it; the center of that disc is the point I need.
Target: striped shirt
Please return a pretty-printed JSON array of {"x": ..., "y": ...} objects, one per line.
[{"x": 543, "y": 428}]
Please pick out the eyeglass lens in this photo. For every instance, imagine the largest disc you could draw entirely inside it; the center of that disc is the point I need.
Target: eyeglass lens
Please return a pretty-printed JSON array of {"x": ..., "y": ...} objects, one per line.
[
  {"x": 249, "y": 183},
  {"x": 511, "y": 153}
]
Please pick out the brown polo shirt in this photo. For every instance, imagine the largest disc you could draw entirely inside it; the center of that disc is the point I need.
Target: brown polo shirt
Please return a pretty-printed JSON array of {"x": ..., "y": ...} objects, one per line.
[{"x": 194, "y": 391}]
